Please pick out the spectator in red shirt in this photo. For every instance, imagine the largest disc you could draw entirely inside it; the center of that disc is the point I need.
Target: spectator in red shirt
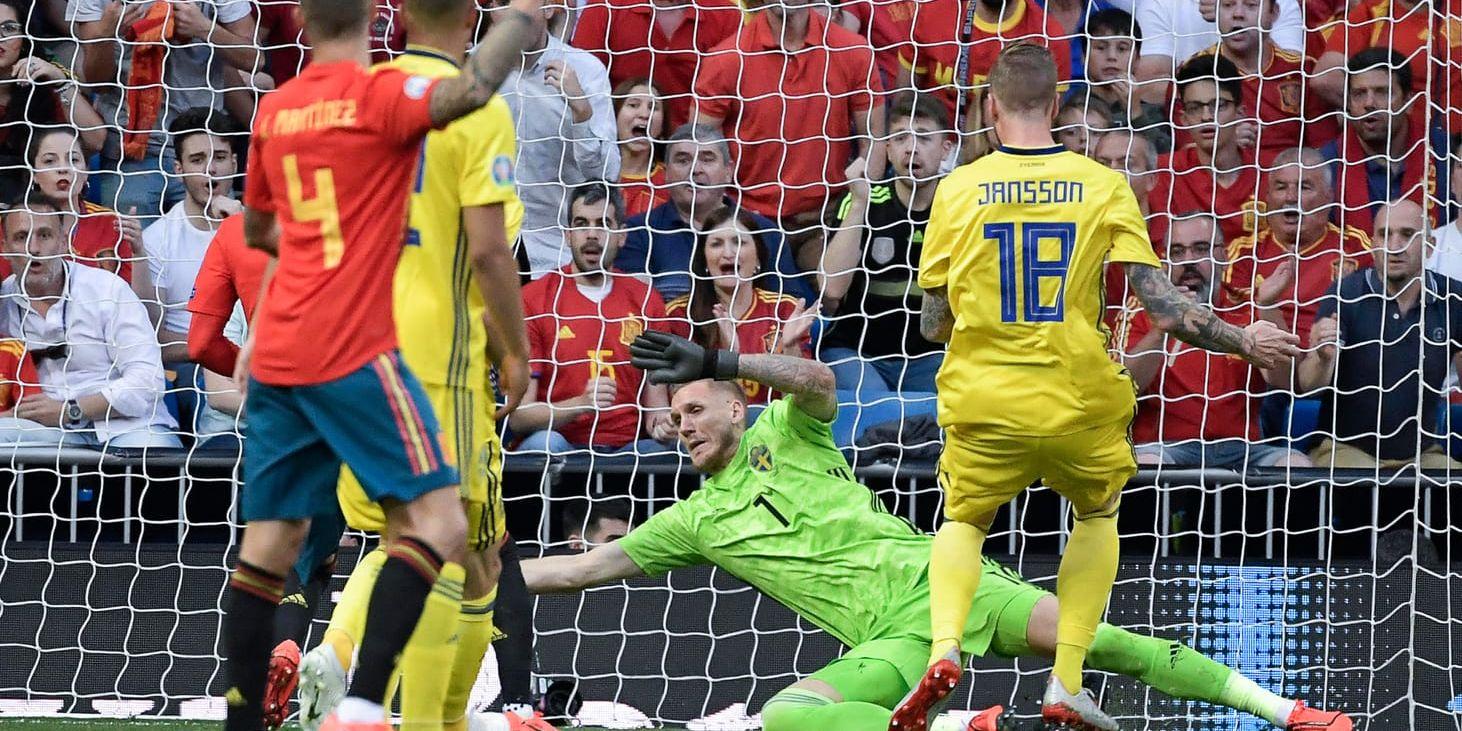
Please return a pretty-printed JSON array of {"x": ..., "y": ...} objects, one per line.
[
  {"x": 1287, "y": 268},
  {"x": 581, "y": 320},
  {"x": 1079, "y": 125},
  {"x": 1196, "y": 408},
  {"x": 1424, "y": 34},
  {"x": 799, "y": 96},
  {"x": 886, "y": 24},
  {"x": 639, "y": 113},
  {"x": 16, "y": 372},
  {"x": 100, "y": 237},
  {"x": 663, "y": 40},
  {"x": 1218, "y": 170},
  {"x": 729, "y": 309},
  {"x": 1383, "y": 154},
  {"x": 1275, "y": 80},
  {"x": 933, "y": 54}
]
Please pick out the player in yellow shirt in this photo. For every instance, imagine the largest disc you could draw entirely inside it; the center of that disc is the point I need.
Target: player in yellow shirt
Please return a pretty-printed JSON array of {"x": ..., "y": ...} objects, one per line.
[
  {"x": 457, "y": 303},
  {"x": 1012, "y": 272}
]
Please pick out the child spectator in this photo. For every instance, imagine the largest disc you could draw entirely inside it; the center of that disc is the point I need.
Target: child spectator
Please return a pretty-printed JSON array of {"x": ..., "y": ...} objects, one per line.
[
  {"x": 728, "y": 308},
  {"x": 1079, "y": 125},
  {"x": 640, "y": 116},
  {"x": 1113, "y": 41}
]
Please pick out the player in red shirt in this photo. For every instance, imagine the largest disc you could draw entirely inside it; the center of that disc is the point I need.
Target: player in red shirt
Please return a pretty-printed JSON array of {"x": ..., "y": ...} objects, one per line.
[
  {"x": 1275, "y": 80},
  {"x": 231, "y": 273},
  {"x": 581, "y": 320},
  {"x": 795, "y": 93},
  {"x": 1218, "y": 171},
  {"x": 932, "y": 56},
  {"x": 332, "y": 159},
  {"x": 726, "y": 309},
  {"x": 663, "y": 40},
  {"x": 1196, "y": 408},
  {"x": 1289, "y": 266}
]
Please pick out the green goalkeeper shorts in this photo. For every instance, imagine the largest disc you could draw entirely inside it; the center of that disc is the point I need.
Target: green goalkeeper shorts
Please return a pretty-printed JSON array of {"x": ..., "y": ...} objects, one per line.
[{"x": 882, "y": 671}]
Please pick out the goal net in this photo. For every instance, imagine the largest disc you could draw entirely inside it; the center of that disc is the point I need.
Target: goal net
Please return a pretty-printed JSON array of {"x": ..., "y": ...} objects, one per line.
[{"x": 1292, "y": 162}]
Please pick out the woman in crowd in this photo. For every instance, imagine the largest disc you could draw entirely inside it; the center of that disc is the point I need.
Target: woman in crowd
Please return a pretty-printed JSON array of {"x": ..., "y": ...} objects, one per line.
[
  {"x": 100, "y": 237},
  {"x": 34, "y": 94},
  {"x": 640, "y": 115},
  {"x": 728, "y": 305}
]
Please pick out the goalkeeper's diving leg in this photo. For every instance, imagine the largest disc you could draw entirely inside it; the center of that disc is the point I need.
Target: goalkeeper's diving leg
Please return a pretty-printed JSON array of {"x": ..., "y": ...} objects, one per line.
[{"x": 1165, "y": 665}]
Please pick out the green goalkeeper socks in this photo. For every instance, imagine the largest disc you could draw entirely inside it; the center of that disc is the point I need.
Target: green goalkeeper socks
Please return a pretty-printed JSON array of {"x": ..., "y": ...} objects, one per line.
[{"x": 1182, "y": 672}]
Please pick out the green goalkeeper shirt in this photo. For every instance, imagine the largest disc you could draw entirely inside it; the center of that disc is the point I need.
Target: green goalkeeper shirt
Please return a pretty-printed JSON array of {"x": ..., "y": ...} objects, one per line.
[{"x": 787, "y": 517}]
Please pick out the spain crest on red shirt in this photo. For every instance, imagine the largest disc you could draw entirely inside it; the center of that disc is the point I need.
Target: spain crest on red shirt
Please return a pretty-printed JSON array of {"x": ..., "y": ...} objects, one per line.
[{"x": 1289, "y": 96}]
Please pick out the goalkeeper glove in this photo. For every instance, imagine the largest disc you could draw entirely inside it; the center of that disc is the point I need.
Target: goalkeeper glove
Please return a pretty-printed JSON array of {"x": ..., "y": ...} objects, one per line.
[{"x": 672, "y": 359}]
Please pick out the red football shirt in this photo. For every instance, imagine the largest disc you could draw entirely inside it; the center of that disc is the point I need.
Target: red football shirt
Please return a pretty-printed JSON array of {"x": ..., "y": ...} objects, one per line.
[
  {"x": 97, "y": 242},
  {"x": 231, "y": 272},
  {"x": 1321, "y": 264},
  {"x": 1421, "y": 35},
  {"x": 1186, "y": 184},
  {"x": 757, "y": 332},
  {"x": 1288, "y": 113},
  {"x": 886, "y": 24},
  {"x": 1196, "y": 394},
  {"x": 333, "y": 155},
  {"x": 790, "y": 113},
  {"x": 288, "y": 50},
  {"x": 933, "y": 52},
  {"x": 16, "y": 372},
  {"x": 642, "y": 194},
  {"x": 625, "y": 37},
  {"x": 572, "y": 339}
]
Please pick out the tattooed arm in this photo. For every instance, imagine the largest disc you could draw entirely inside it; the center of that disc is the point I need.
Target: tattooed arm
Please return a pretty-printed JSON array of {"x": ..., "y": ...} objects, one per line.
[
  {"x": 936, "y": 321},
  {"x": 810, "y": 383},
  {"x": 498, "y": 54},
  {"x": 1171, "y": 311}
]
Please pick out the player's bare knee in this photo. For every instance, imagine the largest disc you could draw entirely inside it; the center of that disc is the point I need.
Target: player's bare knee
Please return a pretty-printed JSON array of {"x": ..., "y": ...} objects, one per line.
[
  {"x": 483, "y": 569},
  {"x": 1040, "y": 631},
  {"x": 273, "y": 545}
]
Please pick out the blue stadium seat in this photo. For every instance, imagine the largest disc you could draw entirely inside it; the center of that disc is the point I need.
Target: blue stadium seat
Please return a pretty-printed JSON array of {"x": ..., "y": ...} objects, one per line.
[{"x": 854, "y": 418}]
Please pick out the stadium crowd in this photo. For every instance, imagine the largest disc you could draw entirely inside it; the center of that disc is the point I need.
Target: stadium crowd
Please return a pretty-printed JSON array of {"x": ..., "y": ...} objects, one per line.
[{"x": 759, "y": 177}]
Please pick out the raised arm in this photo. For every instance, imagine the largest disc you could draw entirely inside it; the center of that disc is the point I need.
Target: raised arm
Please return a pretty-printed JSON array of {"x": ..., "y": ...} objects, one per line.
[
  {"x": 1261, "y": 343},
  {"x": 605, "y": 563},
  {"x": 672, "y": 359},
  {"x": 491, "y": 62}
]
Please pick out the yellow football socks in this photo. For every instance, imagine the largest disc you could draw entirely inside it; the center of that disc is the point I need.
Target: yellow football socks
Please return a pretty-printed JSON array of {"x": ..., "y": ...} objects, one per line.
[
  {"x": 474, "y": 634},
  {"x": 1083, "y": 585},
  {"x": 347, "y": 622},
  {"x": 954, "y": 576},
  {"x": 426, "y": 662}
]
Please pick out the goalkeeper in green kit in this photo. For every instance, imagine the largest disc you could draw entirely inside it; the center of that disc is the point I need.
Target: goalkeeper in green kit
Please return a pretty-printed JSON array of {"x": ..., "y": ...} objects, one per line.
[{"x": 782, "y": 512}]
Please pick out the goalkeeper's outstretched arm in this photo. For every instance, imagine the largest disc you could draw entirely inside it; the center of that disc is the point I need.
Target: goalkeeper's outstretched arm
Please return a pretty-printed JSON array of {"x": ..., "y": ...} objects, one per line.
[
  {"x": 673, "y": 359},
  {"x": 551, "y": 574}
]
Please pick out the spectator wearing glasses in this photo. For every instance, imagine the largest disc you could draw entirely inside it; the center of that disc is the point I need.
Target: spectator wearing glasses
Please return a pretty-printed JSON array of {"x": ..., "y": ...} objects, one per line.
[
  {"x": 1387, "y": 151},
  {"x": 1196, "y": 408},
  {"x": 35, "y": 94},
  {"x": 97, "y": 358},
  {"x": 1218, "y": 170},
  {"x": 1383, "y": 342},
  {"x": 153, "y": 61}
]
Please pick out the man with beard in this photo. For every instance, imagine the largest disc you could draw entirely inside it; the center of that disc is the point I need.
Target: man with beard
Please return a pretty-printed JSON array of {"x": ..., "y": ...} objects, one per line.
[
  {"x": 874, "y": 345},
  {"x": 581, "y": 320},
  {"x": 1195, "y": 408},
  {"x": 1287, "y": 268},
  {"x": 1383, "y": 153},
  {"x": 1383, "y": 341}
]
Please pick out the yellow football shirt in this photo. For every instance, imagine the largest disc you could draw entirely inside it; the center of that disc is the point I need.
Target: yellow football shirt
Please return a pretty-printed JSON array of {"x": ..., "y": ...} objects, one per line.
[
  {"x": 1019, "y": 238},
  {"x": 438, "y": 307}
]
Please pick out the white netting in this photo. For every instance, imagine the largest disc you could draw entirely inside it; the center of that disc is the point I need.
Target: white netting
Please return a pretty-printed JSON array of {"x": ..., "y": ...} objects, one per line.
[{"x": 1295, "y": 525}]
